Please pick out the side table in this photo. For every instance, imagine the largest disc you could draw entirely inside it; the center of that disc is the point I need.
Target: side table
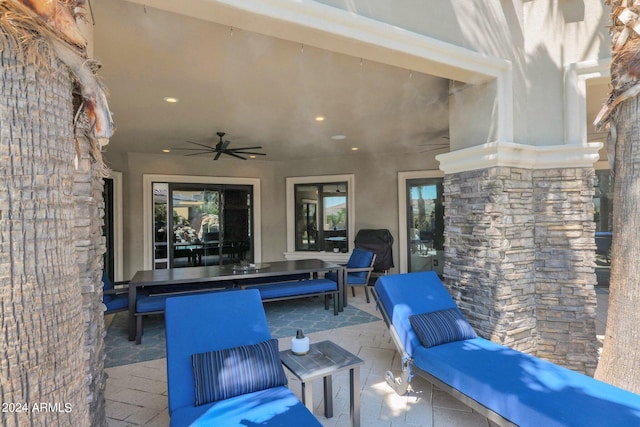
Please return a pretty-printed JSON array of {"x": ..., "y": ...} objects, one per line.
[{"x": 324, "y": 359}]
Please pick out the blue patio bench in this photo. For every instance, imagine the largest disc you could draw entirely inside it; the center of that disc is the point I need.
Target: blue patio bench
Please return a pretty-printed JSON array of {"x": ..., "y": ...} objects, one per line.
[
  {"x": 505, "y": 385},
  {"x": 155, "y": 303},
  {"x": 148, "y": 304},
  {"x": 289, "y": 289}
]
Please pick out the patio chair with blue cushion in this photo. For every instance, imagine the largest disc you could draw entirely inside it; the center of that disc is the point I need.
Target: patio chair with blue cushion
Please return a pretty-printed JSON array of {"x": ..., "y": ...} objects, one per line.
[
  {"x": 223, "y": 368},
  {"x": 356, "y": 272},
  {"x": 115, "y": 297}
]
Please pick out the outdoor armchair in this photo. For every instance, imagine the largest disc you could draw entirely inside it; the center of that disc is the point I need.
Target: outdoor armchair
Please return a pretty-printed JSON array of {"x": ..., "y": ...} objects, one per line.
[{"x": 357, "y": 271}]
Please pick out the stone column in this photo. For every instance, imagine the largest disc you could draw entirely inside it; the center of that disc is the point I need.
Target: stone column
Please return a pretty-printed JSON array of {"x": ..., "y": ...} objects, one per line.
[
  {"x": 520, "y": 249},
  {"x": 489, "y": 252},
  {"x": 565, "y": 267}
]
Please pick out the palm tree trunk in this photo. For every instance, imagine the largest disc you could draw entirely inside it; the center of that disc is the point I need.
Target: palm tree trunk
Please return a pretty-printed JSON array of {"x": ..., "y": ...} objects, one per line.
[
  {"x": 620, "y": 361},
  {"x": 42, "y": 368}
]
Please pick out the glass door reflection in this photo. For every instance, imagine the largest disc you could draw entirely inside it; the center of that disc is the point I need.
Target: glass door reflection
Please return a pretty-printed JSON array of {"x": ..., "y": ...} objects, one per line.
[
  {"x": 425, "y": 224},
  {"x": 196, "y": 227},
  {"x": 201, "y": 224}
]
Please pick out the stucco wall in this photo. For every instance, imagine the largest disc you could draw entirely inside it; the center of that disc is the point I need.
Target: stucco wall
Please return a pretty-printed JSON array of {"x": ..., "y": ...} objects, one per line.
[
  {"x": 134, "y": 165},
  {"x": 376, "y": 178},
  {"x": 539, "y": 37}
]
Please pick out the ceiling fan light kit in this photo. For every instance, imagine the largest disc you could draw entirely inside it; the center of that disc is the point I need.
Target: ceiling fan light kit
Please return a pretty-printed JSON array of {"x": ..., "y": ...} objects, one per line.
[{"x": 222, "y": 147}]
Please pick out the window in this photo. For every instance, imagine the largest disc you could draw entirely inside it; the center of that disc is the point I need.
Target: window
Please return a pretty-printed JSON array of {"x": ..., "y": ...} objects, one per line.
[
  {"x": 603, "y": 217},
  {"x": 191, "y": 221},
  {"x": 603, "y": 201},
  {"x": 208, "y": 224},
  {"x": 421, "y": 220},
  {"x": 320, "y": 215},
  {"x": 425, "y": 223}
]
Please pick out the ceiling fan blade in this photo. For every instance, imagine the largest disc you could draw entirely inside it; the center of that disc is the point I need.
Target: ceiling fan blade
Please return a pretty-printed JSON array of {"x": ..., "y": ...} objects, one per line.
[
  {"x": 201, "y": 145},
  {"x": 222, "y": 147},
  {"x": 245, "y": 148},
  {"x": 192, "y": 149},
  {"x": 249, "y": 152},
  {"x": 199, "y": 153},
  {"x": 229, "y": 153}
]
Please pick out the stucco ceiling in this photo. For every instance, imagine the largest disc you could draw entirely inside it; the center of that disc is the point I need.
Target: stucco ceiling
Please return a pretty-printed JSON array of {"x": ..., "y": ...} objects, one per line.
[{"x": 258, "y": 89}]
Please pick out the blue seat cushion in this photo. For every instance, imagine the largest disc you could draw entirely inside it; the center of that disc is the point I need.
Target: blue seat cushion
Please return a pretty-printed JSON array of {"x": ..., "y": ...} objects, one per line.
[
  {"x": 116, "y": 302},
  {"x": 150, "y": 303},
  {"x": 107, "y": 285},
  {"x": 441, "y": 327},
  {"x": 360, "y": 259},
  {"x": 526, "y": 390},
  {"x": 146, "y": 302},
  {"x": 302, "y": 287},
  {"x": 272, "y": 407},
  {"x": 331, "y": 275},
  {"x": 407, "y": 294},
  {"x": 359, "y": 278},
  {"x": 202, "y": 323},
  {"x": 221, "y": 374}
]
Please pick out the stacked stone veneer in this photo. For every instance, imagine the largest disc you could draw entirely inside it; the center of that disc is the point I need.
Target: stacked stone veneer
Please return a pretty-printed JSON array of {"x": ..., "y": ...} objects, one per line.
[
  {"x": 519, "y": 259},
  {"x": 565, "y": 267}
]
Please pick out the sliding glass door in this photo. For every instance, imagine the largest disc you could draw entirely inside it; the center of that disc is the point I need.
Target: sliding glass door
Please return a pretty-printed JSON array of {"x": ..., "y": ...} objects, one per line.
[
  {"x": 425, "y": 224},
  {"x": 201, "y": 224}
]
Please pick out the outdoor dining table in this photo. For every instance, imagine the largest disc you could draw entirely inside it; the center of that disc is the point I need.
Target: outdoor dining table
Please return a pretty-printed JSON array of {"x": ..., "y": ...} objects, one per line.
[{"x": 209, "y": 276}]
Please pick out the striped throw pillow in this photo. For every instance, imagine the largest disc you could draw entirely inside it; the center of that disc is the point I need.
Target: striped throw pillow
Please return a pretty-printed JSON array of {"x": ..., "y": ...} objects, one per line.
[
  {"x": 222, "y": 374},
  {"x": 441, "y": 327}
]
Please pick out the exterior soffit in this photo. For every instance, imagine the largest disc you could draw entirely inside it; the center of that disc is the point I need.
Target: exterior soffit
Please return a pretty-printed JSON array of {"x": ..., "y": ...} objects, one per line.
[{"x": 326, "y": 27}]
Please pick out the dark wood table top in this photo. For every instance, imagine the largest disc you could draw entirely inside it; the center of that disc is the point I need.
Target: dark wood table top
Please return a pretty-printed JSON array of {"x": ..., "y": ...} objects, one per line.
[{"x": 213, "y": 273}]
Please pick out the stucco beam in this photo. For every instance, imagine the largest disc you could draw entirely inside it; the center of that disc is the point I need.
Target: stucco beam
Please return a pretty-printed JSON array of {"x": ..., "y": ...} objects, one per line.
[{"x": 334, "y": 29}]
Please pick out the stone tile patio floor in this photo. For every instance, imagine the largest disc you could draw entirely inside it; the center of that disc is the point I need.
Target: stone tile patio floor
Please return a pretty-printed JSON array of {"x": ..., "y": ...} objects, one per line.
[{"x": 136, "y": 395}]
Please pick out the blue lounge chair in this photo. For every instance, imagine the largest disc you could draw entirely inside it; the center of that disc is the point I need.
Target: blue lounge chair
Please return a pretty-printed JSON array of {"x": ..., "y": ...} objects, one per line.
[
  {"x": 235, "y": 359},
  {"x": 507, "y": 386}
]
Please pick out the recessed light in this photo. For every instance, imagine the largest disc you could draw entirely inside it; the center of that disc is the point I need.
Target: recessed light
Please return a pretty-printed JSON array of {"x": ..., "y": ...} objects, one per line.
[
  {"x": 354, "y": 148},
  {"x": 166, "y": 150},
  {"x": 338, "y": 137},
  {"x": 319, "y": 118},
  {"x": 252, "y": 156},
  {"x": 170, "y": 99}
]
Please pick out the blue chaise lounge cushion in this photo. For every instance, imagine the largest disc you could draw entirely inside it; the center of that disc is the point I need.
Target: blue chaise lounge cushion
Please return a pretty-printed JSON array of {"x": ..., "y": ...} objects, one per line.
[
  {"x": 441, "y": 327},
  {"x": 230, "y": 372},
  {"x": 528, "y": 391}
]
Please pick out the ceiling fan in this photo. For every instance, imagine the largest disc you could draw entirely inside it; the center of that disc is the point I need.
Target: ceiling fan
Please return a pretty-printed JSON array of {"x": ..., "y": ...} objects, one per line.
[{"x": 222, "y": 147}]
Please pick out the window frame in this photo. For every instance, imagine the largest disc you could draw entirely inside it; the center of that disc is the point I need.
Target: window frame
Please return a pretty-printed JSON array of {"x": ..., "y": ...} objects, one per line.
[
  {"x": 147, "y": 208},
  {"x": 403, "y": 177},
  {"x": 291, "y": 182}
]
